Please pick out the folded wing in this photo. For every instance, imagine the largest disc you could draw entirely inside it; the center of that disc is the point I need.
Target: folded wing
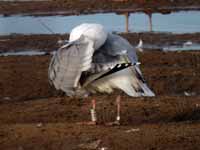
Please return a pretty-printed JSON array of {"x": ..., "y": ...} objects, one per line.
[
  {"x": 69, "y": 62},
  {"x": 118, "y": 55}
]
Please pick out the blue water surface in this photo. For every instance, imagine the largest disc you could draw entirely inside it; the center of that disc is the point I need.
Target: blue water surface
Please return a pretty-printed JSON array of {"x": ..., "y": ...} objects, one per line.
[{"x": 177, "y": 22}]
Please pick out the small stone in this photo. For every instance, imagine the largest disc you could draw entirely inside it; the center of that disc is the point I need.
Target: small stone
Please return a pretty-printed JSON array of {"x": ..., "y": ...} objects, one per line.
[
  {"x": 186, "y": 93},
  {"x": 91, "y": 145},
  {"x": 132, "y": 130},
  {"x": 6, "y": 98},
  {"x": 20, "y": 148},
  {"x": 189, "y": 93},
  {"x": 103, "y": 148},
  {"x": 39, "y": 125}
]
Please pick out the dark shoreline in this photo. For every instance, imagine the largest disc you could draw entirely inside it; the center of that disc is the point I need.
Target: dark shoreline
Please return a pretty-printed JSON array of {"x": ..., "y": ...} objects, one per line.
[
  {"x": 49, "y": 42},
  {"x": 77, "y": 7}
]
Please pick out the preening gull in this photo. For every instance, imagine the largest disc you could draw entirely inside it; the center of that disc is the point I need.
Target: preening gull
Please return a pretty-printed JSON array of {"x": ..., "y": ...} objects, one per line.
[{"x": 96, "y": 61}]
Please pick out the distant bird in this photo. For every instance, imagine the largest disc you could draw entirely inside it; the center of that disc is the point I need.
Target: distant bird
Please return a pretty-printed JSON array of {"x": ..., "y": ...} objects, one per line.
[
  {"x": 96, "y": 61},
  {"x": 188, "y": 43},
  {"x": 139, "y": 47}
]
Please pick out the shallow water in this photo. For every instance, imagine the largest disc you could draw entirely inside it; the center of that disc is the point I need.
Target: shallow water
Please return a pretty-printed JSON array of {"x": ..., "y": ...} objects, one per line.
[
  {"x": 173, "y": 47},
  {"x": 178, "y": 47},
  {"x": 23, "y": 53},
  {"x": 177, "y": 22}
]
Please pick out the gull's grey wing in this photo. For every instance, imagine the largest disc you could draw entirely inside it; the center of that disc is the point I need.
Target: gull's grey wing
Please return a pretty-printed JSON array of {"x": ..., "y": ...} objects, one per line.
[
  {"x": 118, "y": 56},
  {"x": 116, "y": 45},
  {"x": 69, "y": 62},
  {"x": 116, "y": 50}
]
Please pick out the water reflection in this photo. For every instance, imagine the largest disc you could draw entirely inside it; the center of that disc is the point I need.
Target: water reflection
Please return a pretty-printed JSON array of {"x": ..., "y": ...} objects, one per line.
[
  {"x": 127, "y": 15},
  {"x": 150, "y": 22},
  {"x": 24, "y": 53},
  {"x": 178, "y": 22},
  {"x": 145, "y": 47},
  {"x": 127, "y": 21}
]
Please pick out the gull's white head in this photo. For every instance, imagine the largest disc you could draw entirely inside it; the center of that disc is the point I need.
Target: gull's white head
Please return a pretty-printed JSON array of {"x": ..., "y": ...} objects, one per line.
[{"x": 95, "y": 32}]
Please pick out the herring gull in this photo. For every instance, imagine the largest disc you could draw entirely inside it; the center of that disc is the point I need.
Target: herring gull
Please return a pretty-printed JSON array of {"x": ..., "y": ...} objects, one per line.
[{"x": 96, "y": 61}]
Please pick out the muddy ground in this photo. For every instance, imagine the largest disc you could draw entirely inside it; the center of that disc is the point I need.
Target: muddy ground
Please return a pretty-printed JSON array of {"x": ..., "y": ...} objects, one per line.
[
  {"x": 33, "y": 116},
  {"x": 69, "y": 7},
  {"x": 49, "y": 42},
  {"x": 53, "y": 123},
  {"x": 160, "y": 69}
]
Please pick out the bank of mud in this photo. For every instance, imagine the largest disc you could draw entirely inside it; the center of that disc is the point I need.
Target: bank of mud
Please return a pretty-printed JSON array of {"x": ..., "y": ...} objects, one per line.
[
  {"x": 167, "y": 73},
  {"x": 75, "y": 7},
  {"x": 35, "y": 116},
  {"x": 161, "y": 122},
  {"x": 50, "y": 42}
]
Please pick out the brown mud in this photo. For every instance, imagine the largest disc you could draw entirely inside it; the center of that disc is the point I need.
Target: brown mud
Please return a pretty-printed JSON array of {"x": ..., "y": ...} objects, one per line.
[
  {"x": 68, "y": 7},
  {"x": 34, "y": 116},
  {"x": 49, "y": 42},
  {"x": 171, "y": 73}
]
